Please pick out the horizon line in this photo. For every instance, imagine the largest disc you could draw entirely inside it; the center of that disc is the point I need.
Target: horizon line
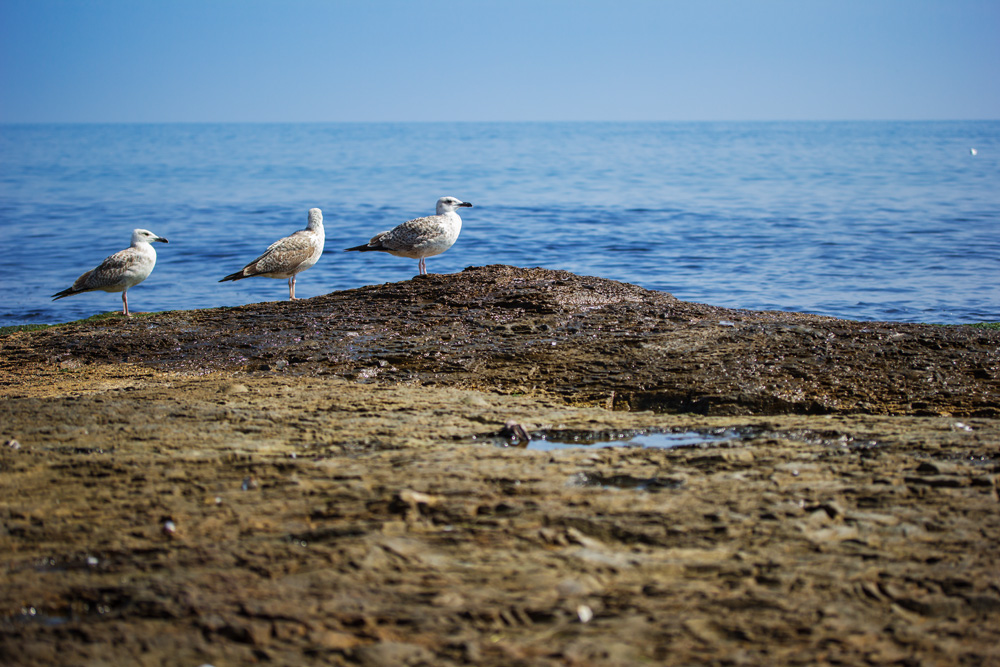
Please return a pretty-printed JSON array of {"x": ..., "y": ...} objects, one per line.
[{"x": 495, "y": 122}]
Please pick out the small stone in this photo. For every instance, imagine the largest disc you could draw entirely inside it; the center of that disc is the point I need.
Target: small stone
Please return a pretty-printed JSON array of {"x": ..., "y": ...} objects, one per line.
[
  {"x": 417, "y": 498},
  {"x": 393, "y": 653},
  {"x": 333, "y": 641},
  {"x": 515, "y": 432},
  {"x": 832, "y": 508},
  {"x": 570, "y": 587},
  {"x": 450, "y": 599}
]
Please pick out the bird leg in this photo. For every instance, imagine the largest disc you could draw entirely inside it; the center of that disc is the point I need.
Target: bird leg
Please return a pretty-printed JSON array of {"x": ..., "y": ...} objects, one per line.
[
  {"x": 422, "y": 266},
  {"x": 125, "y": 303},
  {"x": 291, "y": 289}
]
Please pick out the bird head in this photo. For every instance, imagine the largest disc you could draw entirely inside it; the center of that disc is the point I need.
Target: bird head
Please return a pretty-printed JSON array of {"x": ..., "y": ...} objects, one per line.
[{"x": 449, "y": 204}]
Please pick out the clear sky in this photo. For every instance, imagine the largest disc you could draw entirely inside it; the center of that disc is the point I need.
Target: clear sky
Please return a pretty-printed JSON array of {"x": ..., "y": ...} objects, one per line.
[{"x": 443, "y": 60}]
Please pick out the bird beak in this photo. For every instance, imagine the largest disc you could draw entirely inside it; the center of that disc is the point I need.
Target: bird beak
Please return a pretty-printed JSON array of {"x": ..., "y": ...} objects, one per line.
[
  {"x": 161, "y": 239},
  {"x": 465, "y": 203}
]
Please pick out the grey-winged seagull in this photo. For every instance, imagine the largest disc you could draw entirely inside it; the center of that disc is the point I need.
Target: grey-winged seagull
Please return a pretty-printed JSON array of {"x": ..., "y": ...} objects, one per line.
[
  {"x": 423, "y": 237},
  {"x": 126, "y": 268},
  {"x": 288, "y": 256}
]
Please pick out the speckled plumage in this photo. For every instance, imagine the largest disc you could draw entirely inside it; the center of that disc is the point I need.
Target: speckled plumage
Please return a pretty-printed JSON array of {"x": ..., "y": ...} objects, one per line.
[
  {"x": 288, "y": 256},
  {"x": 126, "y": 268},
  {"x": 421, "y": 238}
]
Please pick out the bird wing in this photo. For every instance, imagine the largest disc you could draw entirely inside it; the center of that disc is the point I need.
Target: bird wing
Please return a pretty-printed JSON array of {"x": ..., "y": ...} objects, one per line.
[
  {"x": 285, "y": 254},
  {"x": 408, "y": 234},
  {"x": 113, "y": 271}
]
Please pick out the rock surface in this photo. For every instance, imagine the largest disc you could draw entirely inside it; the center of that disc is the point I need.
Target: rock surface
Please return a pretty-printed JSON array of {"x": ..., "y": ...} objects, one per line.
[
  {"x": 499, "y": 328},
  {"x": 337, "y": 481}
]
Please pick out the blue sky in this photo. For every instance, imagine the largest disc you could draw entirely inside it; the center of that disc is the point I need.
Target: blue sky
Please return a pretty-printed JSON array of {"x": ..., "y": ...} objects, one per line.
[{"x": 509, "y": 60}]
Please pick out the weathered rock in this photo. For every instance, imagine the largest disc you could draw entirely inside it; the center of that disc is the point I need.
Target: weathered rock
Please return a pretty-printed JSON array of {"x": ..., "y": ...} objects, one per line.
[
  {"x": 500, "y": 328},
  {"x": 361, "y": 504}
]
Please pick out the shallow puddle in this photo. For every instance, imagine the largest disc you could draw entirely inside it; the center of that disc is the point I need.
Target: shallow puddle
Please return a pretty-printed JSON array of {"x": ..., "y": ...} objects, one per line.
[
  {"x": 554, "y": 440},
  {"x": 625, "y": 482},
  {"x": 32, "y": 615}
]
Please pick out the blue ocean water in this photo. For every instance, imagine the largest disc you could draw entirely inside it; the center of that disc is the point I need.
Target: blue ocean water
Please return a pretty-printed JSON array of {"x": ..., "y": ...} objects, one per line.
[{"x": 862, "y": 220}]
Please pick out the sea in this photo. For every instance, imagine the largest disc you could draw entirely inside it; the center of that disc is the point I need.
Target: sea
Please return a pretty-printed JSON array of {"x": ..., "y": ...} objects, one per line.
[{"x": 889, "y": 221}]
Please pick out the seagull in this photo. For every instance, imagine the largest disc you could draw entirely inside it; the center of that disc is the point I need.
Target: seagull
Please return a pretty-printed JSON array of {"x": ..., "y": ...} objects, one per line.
[
  {"x": 126, "y": 268},
  {"x": 423, "y": 237},
  {"x": 288, "y": 256}
]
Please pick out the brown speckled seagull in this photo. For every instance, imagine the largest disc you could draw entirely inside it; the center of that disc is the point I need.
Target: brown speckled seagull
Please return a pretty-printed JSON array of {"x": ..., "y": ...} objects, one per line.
[
  {"x": 288, "y": 256},
  {"x": 423, "y": 237},
  {"x": 126, "y": 268}
]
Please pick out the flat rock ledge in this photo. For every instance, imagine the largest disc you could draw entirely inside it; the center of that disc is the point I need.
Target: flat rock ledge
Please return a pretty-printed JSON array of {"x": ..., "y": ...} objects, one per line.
[
  {"x": 586, "y": 340},
  {"x": 344, "y": 481}
]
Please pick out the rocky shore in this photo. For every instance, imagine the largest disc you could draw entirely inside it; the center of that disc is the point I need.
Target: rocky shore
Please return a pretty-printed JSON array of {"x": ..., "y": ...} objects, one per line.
[{"x": 344, "y": 480}]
